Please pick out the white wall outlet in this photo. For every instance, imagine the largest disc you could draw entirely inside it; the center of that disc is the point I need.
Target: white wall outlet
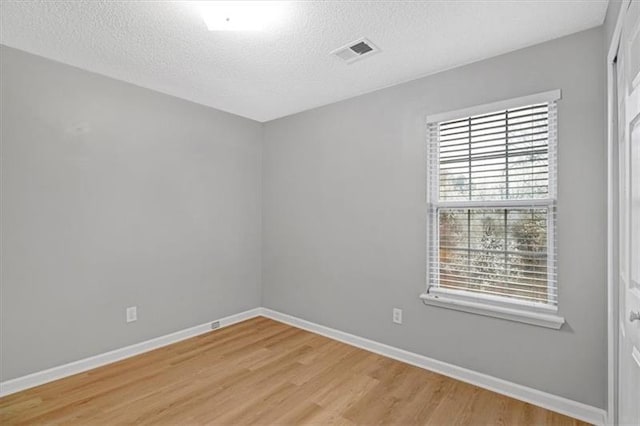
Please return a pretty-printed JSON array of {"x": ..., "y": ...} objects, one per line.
[
  {"x": 397, "y": 315},
  {"x": 132, "y": 314}
]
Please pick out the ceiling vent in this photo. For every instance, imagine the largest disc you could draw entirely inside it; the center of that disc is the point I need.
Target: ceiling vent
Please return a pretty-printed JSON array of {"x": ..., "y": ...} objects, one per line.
[{"x": 356, "y": 50}]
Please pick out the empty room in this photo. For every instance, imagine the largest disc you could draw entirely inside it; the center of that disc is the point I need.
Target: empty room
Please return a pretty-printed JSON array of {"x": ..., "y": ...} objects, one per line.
[{"x": 320, "y": 212}]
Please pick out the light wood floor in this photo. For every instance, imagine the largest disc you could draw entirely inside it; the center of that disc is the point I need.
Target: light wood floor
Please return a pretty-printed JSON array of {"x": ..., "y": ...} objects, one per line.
[{"x": 262, "y": 371}]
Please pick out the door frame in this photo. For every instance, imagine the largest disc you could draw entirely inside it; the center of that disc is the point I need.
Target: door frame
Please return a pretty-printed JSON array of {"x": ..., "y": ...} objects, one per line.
[{"x": 612, "y": 220}]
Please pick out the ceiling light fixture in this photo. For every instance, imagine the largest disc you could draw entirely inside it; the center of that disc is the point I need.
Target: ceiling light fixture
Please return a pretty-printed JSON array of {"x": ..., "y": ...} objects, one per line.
[{"x": 240, "y": 15}]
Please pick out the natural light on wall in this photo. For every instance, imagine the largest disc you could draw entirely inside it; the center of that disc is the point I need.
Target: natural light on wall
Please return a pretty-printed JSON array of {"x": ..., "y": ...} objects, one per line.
[{"x": 241, "y": 15}]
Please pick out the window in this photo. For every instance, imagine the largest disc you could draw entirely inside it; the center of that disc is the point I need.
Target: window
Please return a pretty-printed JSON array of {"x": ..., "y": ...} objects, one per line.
[{"x": 491, "y": 210}]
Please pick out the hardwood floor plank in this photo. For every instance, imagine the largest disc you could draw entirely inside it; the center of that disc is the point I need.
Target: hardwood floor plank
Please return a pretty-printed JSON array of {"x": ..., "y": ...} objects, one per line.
[{"x": 264, "y": 372}]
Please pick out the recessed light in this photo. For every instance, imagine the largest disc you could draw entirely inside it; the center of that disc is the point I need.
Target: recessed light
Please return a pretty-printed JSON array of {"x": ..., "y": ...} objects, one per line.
[{"x": 241, "y": 15}]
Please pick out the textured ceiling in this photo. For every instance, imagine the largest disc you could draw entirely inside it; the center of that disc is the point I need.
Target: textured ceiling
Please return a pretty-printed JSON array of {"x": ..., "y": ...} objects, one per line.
[{"x": 285, "y": 68}]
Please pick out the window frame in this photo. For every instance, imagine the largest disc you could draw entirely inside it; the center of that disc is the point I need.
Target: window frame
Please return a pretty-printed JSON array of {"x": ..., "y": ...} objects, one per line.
[{"x": 513, "y": 309}]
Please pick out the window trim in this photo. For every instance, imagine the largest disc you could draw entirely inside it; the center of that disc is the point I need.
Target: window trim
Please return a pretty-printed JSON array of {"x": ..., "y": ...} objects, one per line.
[
  {"x": 538, "y": 98},
  {"x": 511, "y": 310},
  {"x": 540, "y": 314}
]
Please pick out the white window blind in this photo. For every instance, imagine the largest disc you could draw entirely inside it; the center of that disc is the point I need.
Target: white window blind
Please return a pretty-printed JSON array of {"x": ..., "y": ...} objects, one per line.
[{"x": 492, "y": 203}]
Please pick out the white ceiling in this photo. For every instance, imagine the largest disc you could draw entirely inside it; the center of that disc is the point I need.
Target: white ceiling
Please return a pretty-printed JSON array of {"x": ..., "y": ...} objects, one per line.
[{"x": 286, "y": 68}]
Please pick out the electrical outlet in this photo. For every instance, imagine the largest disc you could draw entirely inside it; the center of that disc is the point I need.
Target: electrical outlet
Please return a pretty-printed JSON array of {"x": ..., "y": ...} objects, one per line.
[
  {"x": 215, "y": 325},
  {"x": 397, "y": 315},
  {"x": 132, "y": 314}
]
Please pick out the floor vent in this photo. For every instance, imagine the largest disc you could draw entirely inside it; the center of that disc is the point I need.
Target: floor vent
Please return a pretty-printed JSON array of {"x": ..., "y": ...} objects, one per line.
[{"x": 356, "y": 50}]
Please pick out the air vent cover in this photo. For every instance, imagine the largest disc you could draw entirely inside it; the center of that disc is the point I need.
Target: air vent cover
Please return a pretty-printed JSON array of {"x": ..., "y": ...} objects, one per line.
[{"x": 356, "y": 50}]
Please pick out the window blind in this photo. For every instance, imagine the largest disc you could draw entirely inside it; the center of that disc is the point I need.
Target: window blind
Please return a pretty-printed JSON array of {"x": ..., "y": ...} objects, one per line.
[{"x": 491, "y": 203}]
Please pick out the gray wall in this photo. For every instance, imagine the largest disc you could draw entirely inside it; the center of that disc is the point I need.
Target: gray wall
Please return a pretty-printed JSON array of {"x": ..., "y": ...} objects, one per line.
[
  {"x": 114, "y": 195},
  {"x": 344, "y": 219}
]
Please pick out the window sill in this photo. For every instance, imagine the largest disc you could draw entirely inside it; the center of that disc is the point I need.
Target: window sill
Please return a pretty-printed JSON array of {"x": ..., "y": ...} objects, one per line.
[{"x": 504, "y": 311}]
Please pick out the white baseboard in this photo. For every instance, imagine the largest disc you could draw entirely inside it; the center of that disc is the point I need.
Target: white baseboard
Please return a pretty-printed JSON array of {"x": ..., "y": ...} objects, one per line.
[
  {"x": 546, "y": 400},
  {"x": 41, "y": 377}
]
